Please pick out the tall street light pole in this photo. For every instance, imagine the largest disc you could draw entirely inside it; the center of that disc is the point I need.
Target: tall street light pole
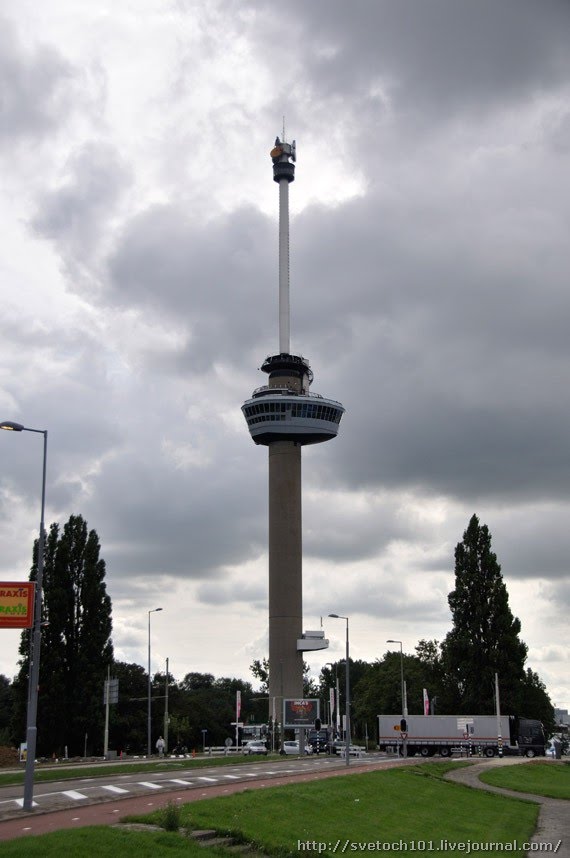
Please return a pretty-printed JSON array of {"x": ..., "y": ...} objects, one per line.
[
  {"x": 149, "y": 717},
  {"x": 347, "y": 690},
  {"x": 402, "y": 687},
  {"x": 336, "y": 714},
  {"x": 34, "y": 665}
]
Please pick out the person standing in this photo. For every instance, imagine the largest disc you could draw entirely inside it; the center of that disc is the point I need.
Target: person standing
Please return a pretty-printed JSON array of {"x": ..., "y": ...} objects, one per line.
[{"x": 160, "y": 745}]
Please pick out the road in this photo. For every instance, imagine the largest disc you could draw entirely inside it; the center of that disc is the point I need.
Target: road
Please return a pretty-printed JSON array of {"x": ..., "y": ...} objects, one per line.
[{"x": 63, "y": 794}]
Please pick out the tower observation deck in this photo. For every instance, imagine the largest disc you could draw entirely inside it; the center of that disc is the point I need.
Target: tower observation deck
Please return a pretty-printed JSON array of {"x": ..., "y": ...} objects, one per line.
[
  {"x": 284, "y": 416},
  {"x": 284, "y": 409}
]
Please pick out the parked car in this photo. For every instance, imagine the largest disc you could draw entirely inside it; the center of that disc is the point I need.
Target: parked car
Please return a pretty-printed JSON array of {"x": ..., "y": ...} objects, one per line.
[
  {"x": 293, "y": 748},
  {"x": 255, "y": 747}
]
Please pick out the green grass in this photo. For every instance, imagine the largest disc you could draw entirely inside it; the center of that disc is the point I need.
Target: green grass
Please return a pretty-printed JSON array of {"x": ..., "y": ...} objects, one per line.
[
  {"x": 104, "y": 842},
  {"x": 549, "y": 779},
  {"x": 103, "y": 769},
  {"x": 412, "y": 805}
]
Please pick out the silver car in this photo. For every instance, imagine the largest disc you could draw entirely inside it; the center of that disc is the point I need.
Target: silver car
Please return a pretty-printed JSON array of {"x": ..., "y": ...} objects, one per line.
[
  {"x": 293, "y": 748},
  {"x": 255, "y": 747}
]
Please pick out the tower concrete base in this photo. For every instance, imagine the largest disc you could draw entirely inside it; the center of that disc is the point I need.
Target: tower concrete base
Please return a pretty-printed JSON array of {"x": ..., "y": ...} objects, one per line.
[{"x": 285, "y": 573}]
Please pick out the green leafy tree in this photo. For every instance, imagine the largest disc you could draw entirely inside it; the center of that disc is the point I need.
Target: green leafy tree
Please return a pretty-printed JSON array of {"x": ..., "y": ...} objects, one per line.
[
  {"x": 484, "y": 639},
  {"x": 207, "y": 703},
  {"x": 76, "y": 642},
  {"x": 379, "y": 691},
  {"x": 128, "y": 717},
  {"x": 6, "y": 709},
  {"x": 328, "y": 677},
  {"x": 535, "y": 702},
  {"x": 260, "y": 670}
]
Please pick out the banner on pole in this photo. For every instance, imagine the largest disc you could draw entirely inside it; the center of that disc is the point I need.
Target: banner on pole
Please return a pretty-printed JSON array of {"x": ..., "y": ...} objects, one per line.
[{"x": 17, "y": 604}]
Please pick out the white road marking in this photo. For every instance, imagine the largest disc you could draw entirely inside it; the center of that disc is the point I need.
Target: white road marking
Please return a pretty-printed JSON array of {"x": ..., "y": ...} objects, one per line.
[
  {"x": 149, "y": 785},
  {"x": 71, "y": 793},
  {"x": 113, "y": 788},
  {"x": 211, "y": 780},
  {"x": 181, "y": 781}
]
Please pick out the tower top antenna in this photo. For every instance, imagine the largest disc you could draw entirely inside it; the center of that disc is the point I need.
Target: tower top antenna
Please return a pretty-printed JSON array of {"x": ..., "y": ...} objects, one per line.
[{"x": 284, "y": 138}]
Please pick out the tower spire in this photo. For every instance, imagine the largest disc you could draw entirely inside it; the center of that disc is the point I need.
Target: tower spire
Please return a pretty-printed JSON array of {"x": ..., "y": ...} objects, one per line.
[{"x": 283, "y": 155}]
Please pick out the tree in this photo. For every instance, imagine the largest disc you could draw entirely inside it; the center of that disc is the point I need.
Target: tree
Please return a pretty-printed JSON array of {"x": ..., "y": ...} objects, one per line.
[
  {"x": 379, "y": 690},
  {"x": 328, "y": 677},
  {"x": 484, "y": 639},
  {"x": 76, "y": 642},
  {"x": 207, "y": 703},
  {"x": 260, "y": 670},
  {"x": 128, "y": 717},
  {"x": 6, "y": 707},
  {"x": 535, "y": 701}
]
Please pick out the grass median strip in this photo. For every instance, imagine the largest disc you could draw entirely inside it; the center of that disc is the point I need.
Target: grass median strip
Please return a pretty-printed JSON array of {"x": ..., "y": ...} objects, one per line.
[
  {"x": 395, "y": 811},
  {"x": 550, "y": 779},
  {"x": 104, "y": 770}
]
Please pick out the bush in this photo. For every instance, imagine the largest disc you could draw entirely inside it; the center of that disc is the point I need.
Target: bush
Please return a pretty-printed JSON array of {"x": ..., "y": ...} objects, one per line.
[{"x": 169, "y": 817}]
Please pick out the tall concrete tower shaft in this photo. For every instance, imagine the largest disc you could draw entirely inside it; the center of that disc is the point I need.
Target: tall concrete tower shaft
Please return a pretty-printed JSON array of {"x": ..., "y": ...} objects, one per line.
[{"x": 284, "y": 416}]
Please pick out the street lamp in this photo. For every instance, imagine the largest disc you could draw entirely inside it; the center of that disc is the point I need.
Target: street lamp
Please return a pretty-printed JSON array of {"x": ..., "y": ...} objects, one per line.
[
  {"x": 347, "y": 691},
  {"x": 337, "y": 715},
  {"x": 153, "y": 611},
  {"x": 403, "y": 689},
  {"x": 36, "y": 637}
]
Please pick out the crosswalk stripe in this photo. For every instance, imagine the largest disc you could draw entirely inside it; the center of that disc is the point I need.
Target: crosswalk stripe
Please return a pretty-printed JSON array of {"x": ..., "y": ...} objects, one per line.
[
  {"x": 113, "y": 788},
  {"x": 20, "y": 802},
  {"x": 149, "y": 785},
  {"x": 233, "y": 777},
  {"x": 211, "y": 780},
  {"x": 71, "y": 793},
  {"x": 181, "y": 781}
]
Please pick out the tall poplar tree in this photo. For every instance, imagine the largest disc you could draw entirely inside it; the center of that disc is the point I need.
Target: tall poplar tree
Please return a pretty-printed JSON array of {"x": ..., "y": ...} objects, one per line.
[
  {"x": 484, "y": 639},
  {"x": 76, "y": 643}
]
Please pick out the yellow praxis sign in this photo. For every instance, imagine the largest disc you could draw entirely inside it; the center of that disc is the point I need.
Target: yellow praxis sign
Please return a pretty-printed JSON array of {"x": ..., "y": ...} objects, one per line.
[{"x": 17, "y": 604}]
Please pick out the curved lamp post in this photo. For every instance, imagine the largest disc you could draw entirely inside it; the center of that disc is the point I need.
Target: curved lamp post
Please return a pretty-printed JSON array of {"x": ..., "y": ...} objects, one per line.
[
  {"x": 347, "y": 691},
  {"x": 149, "y": 714},
  {"x": 36, "y": 639}
]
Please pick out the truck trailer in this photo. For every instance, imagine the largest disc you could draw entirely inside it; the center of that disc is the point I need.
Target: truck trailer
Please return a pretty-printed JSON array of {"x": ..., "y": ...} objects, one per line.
[{"x": 427, "y": 735}]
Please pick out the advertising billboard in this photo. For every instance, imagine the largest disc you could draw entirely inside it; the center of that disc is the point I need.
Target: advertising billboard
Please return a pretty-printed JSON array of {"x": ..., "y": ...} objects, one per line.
[
  {"x": 17, "y": 604},
  {"x": 300, "y": 713}
]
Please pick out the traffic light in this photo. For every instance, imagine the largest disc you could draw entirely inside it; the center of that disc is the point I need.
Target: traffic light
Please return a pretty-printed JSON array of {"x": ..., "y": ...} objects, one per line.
[
  {"x": 317, "y": 723},
  {"x": 404, "y": 725}
]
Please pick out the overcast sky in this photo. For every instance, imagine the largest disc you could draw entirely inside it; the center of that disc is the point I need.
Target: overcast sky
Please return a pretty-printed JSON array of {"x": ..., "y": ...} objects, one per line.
[{"x": 429, "y": 290}]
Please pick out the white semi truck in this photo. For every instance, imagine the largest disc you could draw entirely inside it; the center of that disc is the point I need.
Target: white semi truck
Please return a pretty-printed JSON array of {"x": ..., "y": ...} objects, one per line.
[{"x": 427, "y": 735}]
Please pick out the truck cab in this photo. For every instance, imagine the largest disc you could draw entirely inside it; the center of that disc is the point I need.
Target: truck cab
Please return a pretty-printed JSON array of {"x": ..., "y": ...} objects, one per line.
[{"x": 531, "y": 738}]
